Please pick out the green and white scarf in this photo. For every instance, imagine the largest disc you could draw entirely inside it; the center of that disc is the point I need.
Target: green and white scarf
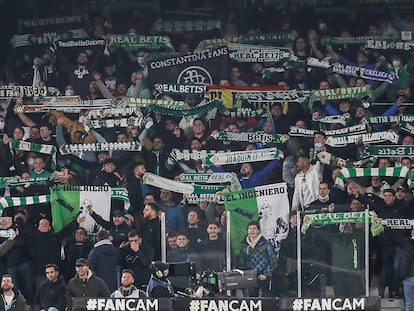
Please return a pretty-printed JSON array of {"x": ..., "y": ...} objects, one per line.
[
  {"x": 398, "y": 223},
  {"x": 338, "y": 119},
  {"x": 328, "y": 40},
  {"x": 296, "y": 96},
  {"x": 117, "y": 193},
  {"x": 364, "y": 138},
  {"x": 391, "y": 151},
  {"x": 391, "y": 119},
  {"x": 113, "y": 113},
  {"x": 7, "y": 92},
  {"x": 187, "y": 25},
  {"x": 244, "y": 113},
  {"x": 202, "y": 178},
  {"x": 14, "y": 181},
  {"x": 340, "y": 93},
  {"x": 214, "y": 178},
  {"x": 135, "y": 42},
  {"x": 236, "y": 157},
  {"x": 176, "y": 111},
  {"x": 337, "y": 218},
  {"x": 33, "y": 147},
  {"x": 344, "y": 173},
  {"x": 251, "y": 137},
  {"x": 77, "y": 43},
  {"x": 365, "y": 73},
  {"x": 244, "y": 53},
  {"x": 114, "y": 123},
  {"x": 389, "y": 45},
  {"x": 144, "y": 103},
  {"x": 23, "y": 201},
  {"x": 168, "y": 184},
  {"x": 46, "y": 38},
  {"x": 57, "y": 20},
  {"x": 330, "y": 159},
  {"x": 268, "y": 38},
  {"x": 80, "y": 149},
  {"x": 359, "y": 128},
  {"x": 182, "y": 89},
  {"x": 69, "y": 104},
  {"x": 407, "y": 127}
]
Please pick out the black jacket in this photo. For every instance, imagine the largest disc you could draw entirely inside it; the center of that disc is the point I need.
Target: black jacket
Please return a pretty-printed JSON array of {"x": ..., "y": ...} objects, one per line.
[
  {"x": 139, "y": 262},
  {"x": 52, "y": 294},
  {"x": 151, "y": 234}
]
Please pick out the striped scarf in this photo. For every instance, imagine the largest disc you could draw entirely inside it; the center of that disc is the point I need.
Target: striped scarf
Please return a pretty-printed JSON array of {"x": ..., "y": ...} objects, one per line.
[{"x": 402, "y": 171}]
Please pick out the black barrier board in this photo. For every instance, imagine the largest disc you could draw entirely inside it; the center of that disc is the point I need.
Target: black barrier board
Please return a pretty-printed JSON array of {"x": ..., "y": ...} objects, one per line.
[{"x": 360, "y": 303}]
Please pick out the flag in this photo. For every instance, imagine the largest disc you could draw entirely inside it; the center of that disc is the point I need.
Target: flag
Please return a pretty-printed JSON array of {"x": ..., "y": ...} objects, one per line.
[
  {"x": 207, "y": 67},
  {"x": 68, "y": 201},
  {"x": 269, "y": 205}
]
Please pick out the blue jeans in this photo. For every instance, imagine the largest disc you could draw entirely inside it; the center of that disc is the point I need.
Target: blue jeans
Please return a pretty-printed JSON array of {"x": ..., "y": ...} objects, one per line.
[
  {"x": 409, "y": 293},
  {"x": 392, "y": 263},
  {"x": 23, "y": 279}
]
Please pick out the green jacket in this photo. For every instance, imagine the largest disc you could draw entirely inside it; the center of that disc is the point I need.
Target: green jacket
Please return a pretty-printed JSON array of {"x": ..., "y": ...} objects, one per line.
[
  {"x": 18, "y": 303},
  {"x": 92, "y": 287}
]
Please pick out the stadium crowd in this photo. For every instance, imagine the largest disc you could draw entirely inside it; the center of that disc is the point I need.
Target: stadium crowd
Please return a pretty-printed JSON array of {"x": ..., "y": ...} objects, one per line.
[{"x": 345, "y": 81}]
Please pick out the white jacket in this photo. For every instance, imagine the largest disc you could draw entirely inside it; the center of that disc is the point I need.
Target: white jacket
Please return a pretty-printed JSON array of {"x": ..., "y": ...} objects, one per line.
[{"x": 313, "y": 177}]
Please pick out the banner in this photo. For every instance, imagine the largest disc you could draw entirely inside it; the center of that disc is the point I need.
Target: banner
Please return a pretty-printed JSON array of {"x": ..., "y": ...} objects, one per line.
[
  {"x": 344, "y": 173},
  {"x": 46, "y": 38},
  {"x": 337, "y": 218},
  {"x": 269, "y": 205},
  {"x": 80, "y": 149},
  {"x": 390, "y": 151},
  {"x": 389, "y": 45},
  {"x": 251, "y": 137},
  {"x": 340, "y": 93},
  {"x": 33, "y": 147},
  {"x": 207, "y": 67},
  {"x": 23, "y": 201},
  {"x": 365, "y": 73},
  {"x": 188, "y": 25},
  {"x": 134, "y": 42},
  {"x": 226, "y": 158},
  {"x": 68, "y": 201},
  {"x": 231, "y": 95},
  {"x": 363, "y": 138},
  {"x": 168, "y": 184},
  {"x": 181, "y": 89}
]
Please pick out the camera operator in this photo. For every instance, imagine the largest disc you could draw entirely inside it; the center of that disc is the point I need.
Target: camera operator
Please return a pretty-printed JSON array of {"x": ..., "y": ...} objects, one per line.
[{"x": 159, "y": 286}]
